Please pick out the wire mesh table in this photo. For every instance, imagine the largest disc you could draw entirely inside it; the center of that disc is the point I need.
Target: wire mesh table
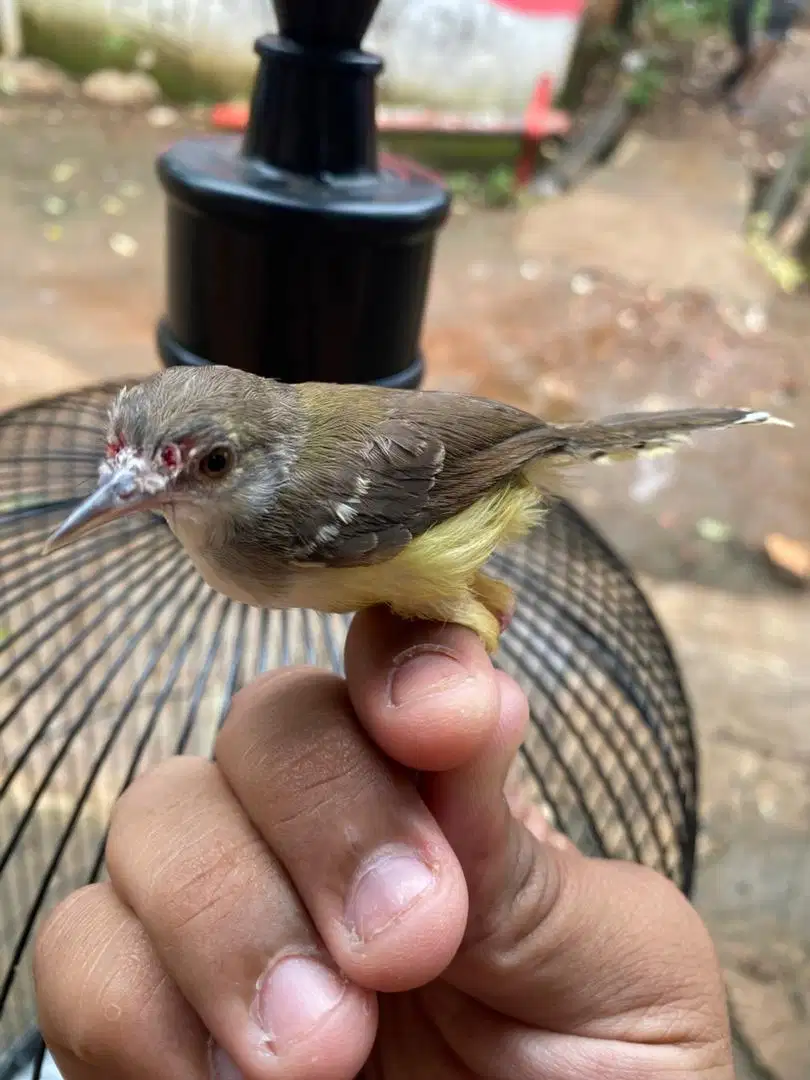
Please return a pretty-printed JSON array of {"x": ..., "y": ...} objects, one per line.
[{"x": 114, "y": 654}]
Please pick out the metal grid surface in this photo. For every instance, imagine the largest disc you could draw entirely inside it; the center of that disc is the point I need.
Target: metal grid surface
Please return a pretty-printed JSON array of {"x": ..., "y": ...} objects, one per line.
[{"x": 114, "y": 655}]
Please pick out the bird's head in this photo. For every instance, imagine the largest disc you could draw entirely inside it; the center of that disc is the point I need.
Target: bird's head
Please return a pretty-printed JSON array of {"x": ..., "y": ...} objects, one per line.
[{"x": 203, "y": 446}]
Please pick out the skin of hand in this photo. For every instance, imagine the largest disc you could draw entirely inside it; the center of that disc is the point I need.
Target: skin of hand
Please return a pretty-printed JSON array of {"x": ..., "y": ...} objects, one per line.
[{"x": 346, "y": 891}]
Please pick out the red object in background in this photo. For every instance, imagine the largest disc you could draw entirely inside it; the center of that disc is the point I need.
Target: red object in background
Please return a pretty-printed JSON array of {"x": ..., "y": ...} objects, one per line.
[
  {"x": 544, "y": 9},
  {"x": 231, "y": 115},
  {"x": 540, "y": 121},
  {"x": 406, "y": 167}
]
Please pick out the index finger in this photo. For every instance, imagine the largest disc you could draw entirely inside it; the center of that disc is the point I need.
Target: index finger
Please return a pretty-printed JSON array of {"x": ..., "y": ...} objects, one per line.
[{"x": 425, "y": 692}]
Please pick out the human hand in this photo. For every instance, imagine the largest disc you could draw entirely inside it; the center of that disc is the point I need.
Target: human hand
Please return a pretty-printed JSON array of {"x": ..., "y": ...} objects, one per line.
[{"x": 346, "y": 893}]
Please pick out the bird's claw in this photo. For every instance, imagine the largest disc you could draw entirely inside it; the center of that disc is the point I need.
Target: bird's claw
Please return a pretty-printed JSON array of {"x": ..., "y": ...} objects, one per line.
[{"x": 505, "y": 618}]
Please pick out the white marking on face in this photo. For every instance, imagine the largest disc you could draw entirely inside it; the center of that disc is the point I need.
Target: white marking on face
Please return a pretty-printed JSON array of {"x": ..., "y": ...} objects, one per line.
[{"x": 148, "y": 480}]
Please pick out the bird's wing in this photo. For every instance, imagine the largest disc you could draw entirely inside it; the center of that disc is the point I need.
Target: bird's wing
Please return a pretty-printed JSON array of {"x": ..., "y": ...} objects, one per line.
[
  {"x": 413, "y": 460},
  {"x": 420, "y": 458},
  {"x": 376, "y": 504}
]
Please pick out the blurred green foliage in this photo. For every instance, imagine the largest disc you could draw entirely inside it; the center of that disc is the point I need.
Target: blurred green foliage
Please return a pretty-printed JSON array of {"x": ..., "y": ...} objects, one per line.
[
  {"x": 686, "y": 19},
  {"x": 78, "y": 48},
  {"x": 495, "y": 188},
  {"x": 645, "y": 87}
]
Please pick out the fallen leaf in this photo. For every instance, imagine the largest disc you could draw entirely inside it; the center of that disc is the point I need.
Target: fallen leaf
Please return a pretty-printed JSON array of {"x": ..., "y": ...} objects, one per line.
[
  {"x": 54, "y": 206},
  {"x": 790, "y": 555},
  {"x": 123, "y": 245},
  {"x": 131, "y": 191},
  {"x": 64, "y": 171},
  {"x": 716, "y": 532},
  {"x": 582, "y": 285},
  {"x": 161, "y": 116},
  {"x": 111, "y": 204}
]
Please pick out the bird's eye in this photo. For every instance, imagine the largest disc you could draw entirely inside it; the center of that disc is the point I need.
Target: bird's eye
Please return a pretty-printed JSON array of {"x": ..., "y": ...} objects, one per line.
[{"x": 217, "y": 462}]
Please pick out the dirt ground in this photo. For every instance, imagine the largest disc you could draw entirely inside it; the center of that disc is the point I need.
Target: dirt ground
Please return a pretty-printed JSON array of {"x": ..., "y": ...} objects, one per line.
[{"x": 633, "y": 291}]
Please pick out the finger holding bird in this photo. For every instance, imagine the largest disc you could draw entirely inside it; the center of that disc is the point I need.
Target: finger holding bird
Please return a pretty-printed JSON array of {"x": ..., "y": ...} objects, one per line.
[{"x": 336, "y": 497}]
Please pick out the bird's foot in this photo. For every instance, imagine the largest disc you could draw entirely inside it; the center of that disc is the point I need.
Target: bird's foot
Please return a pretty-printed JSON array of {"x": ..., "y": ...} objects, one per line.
[
  {"x": 473, "y": 614},
  {"x": 505, "y": 618},
  {"x": 497, "y": 597},
  {"x": 479, "y": 618},
  {"x": 486, "y": 609}
]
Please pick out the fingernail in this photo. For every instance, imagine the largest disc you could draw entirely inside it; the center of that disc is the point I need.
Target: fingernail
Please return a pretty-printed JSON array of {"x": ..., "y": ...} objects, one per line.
[
  {"x": 384, "y": 890},
  {"x": 424, "y": 671},
  {"x": 294, "y": 996},
  {"x": 221, "y": 1065}
]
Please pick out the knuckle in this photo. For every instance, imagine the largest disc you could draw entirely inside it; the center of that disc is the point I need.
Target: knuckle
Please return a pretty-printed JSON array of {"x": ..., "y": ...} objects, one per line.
[
  {"x": 206, "y": 886},
  {"x": 151, "y": 789},
  {"x": 179, "y": 851},
  {"x": 276, "y": 719},
  {"x": 275, "y": 692},
  {"x": 92, "y": 970},
  {"x": 328, "y": 787},
  {"x": 57, "y": 939},
  {"x": 142, "y": 807},
  {"x": 257, "y": 694},
  {"x": 507, "y": 931},
  {"x": 293, "y": 749},
  {"x": 661, "y": 901}
]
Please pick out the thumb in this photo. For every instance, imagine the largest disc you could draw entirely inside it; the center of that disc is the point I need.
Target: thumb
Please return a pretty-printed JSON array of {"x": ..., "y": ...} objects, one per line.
[{"x": 557, "y": 940}]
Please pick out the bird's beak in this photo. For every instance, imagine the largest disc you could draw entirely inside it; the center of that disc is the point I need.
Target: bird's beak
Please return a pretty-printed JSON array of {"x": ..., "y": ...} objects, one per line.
[{"x": 115, "y": 497}]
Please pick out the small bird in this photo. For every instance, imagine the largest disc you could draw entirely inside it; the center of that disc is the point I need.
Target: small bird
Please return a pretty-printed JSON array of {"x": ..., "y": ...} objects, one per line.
[{"x": 337, "y": 497}]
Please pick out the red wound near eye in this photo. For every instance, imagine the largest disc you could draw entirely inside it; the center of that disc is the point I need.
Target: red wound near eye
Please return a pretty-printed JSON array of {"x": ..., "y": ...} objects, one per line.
[
  {"x": 170, "y": 456},
  {"x": 114, "y": 447}
]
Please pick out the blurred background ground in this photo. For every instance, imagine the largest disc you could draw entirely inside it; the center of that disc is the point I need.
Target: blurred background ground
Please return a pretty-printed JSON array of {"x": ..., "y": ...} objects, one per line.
[{"x": 635, "y": 290}]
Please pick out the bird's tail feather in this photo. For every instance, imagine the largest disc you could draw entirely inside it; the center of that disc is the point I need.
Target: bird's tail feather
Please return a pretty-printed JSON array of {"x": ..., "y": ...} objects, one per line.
[
  {"x": 539, "y": 452},
  {"x": 629, "y": 435}
]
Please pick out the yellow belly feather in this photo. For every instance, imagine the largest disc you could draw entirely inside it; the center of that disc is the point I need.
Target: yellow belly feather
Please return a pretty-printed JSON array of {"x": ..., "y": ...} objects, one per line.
[{"x": 437, "y": 576}]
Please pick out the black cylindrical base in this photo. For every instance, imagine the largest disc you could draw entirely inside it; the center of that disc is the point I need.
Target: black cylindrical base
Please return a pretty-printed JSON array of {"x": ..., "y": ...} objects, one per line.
[
  {"x": 293, "y": 255},
  {"x": 172, "y": 354}
]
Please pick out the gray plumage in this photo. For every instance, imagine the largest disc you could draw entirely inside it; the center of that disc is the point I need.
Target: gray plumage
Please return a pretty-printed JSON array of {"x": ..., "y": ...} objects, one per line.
[
  {"x": 351, "y": 474},
  {"x": 277, "y": 491}
]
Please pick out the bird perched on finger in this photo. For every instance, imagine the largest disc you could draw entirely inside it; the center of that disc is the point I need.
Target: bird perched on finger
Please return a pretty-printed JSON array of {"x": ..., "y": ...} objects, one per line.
[{"x": 336, "y": 497}]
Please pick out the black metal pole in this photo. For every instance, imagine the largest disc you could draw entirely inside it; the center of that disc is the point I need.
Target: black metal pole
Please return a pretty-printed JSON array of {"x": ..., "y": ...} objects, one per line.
[{"x": 290, "y": 252}]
